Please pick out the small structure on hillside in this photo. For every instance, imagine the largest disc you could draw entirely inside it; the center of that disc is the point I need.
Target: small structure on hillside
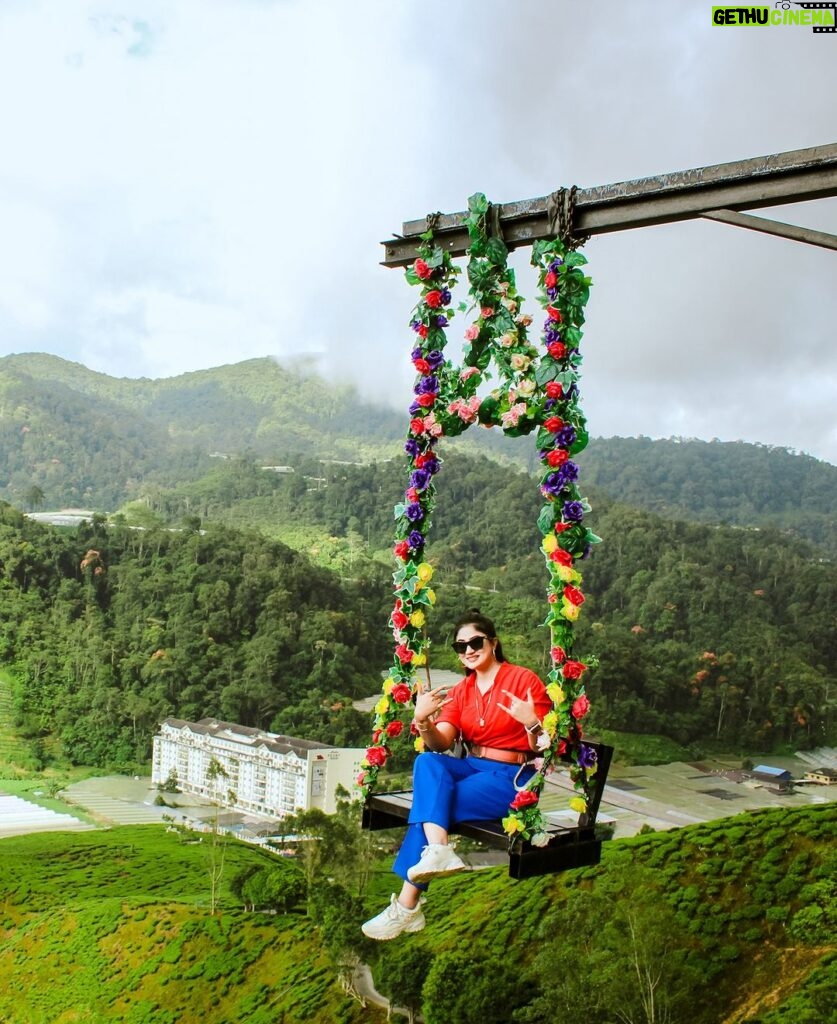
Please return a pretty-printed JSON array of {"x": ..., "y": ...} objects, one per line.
[
  {"x": 822, "y": 776},
  {"x": 780, "y": 778}
]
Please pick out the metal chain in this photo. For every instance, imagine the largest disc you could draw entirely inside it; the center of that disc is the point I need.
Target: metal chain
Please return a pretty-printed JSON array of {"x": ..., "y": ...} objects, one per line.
[{"x": 560, "y": 209}]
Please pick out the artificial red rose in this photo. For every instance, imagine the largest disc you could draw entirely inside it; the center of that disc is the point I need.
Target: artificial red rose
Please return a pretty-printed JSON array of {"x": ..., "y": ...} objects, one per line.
[
  {"x": 553, "y": 424},
  {"x": 403, "y": 653},
  {"x": 376, "y": 735},
  {"x": 554, "y": 389},
  {"x": 361, "y": 779},
  {"x": 395, "y": 729},
  {"x": 423, "y": 331},
  {"x": 421, "y": 365},
  {"x": 411, "y": 494},
  {"x": 422, "y": 270},
  {"x": 558, "y": 654},
  {"x": 556, "y": 457},
  {"x": 551, "y": 279},
  {"x": 426, "y": 400},
  {"x": 376, "y": 756},
  {"x": 401, "y": 693},
  {"x": 562, "y": 557},
  {"x": 422, "y": 460},
  {"x": 399, "y": 619},
  {"x": 581, "y": 705},
  {"x": 561, "y": 748},
  {"x": 401, "y": 550},
  {"x": 557, "y": 349},
  {"x": 573, "y": 669},
  {"x": 417, "y": 425},
  {"x": 486, "y": 312},
  {"x": 433, "y": 299},
  {"x": 554, "y": 314},
  {"x": 573, "y": 595},
  {"x": 560, "y": 527},
  {"x": 414, "y": 730},
  {"x": 525, "y": 798}
]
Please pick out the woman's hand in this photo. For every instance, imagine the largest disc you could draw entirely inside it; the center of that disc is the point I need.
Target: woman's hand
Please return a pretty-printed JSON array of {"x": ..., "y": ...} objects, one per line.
[
  {"x": 522, "y": 711},
  {"x": 430, "y": 703}
]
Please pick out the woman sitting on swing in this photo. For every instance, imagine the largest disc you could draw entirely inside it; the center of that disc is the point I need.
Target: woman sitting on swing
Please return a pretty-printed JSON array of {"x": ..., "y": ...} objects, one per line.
[{"x": 497, "y": 711}]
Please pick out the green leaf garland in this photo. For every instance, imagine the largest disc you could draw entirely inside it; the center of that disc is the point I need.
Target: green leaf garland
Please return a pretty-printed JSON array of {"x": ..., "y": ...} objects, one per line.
[{"x": 537, "y": 392}]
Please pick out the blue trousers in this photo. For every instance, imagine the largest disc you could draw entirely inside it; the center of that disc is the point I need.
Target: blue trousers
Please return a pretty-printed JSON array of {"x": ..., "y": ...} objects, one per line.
[{"x": 447, "y": 790}]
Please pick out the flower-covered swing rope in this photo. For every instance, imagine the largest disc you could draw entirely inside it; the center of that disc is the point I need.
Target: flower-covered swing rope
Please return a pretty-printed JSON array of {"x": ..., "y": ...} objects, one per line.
[{"x": 538, "y": 391}]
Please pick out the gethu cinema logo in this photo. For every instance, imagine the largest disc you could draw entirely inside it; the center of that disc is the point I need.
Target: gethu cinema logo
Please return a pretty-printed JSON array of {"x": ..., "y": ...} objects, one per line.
[{"x": 820, "y": 16}]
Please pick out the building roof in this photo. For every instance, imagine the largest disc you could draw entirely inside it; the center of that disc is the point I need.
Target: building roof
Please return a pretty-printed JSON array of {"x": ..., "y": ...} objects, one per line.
[
  {"x": 250, "y": 737},
  {"x": 766, "y": 769}
]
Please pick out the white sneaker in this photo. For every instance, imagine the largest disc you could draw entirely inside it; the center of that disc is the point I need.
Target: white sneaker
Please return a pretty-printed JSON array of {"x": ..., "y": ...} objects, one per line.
[
  {"x": 436, "y": 861},
  {"x": 390, "y": 923}
]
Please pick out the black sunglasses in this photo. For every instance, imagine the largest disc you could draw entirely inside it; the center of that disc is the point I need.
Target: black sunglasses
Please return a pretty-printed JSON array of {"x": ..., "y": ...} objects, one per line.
[{"x": 475, "y": 643}]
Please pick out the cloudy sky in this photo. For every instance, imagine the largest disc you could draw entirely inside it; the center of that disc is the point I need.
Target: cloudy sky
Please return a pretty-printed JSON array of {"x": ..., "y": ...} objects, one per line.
[{"x": 188, "y": 183}]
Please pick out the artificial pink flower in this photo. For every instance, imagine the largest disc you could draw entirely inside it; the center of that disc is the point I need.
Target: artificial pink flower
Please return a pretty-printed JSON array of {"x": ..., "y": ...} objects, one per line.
[{"x": 512, "y": 417}]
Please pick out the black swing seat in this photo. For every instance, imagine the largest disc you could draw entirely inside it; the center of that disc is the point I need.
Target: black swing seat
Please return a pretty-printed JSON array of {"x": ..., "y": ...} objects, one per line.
[{"x": 570, "y": 846}]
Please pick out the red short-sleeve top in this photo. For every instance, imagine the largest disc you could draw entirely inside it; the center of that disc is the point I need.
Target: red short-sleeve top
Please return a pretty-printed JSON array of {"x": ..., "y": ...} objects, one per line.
[{"x": 467, "y": 706}]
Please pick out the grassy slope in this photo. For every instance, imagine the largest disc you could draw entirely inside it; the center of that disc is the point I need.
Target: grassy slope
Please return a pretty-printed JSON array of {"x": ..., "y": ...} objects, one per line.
[
  {"x": 120, "y": 917},
  {"x": 732, "y": 885}
]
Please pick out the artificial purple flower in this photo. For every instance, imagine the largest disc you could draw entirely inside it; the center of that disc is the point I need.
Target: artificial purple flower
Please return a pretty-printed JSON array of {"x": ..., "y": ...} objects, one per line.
[
  {"x": 419, "y": 479},
  {"x": 427, "y": 385},
  {"x": 415, "y": 513},
  {"x": 415, "y": 539},
  {"x": 446, "y": 296},
  {"x": 548, "y": 404},
  {"x": 573, "y": 511},
  {"x": 415, "y": 407},
  {"x": 552, "y": 485},
  {"x": 569, "y": 470},
  {"x": 555, "y": 482},
  {"x": 565, "y": 437},
  {"x": 432, "y": 465},
  {"x": 411, "y": 447},
  {"x": 555, "y": 264},
  {"x": 571, "y": 392},
  {"x": 551, "y": 331},
  {"x": 416, "y": 324},
  {"x": 441, "y": 321},
  {"x": 435, "y": 359},
  {"x": 586, "y": 756}
]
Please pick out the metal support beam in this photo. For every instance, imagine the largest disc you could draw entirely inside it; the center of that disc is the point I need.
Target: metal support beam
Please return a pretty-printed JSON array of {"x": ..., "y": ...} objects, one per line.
[
  {"x": 774, "y": 227},
  {"x": 793, "y": 177}
]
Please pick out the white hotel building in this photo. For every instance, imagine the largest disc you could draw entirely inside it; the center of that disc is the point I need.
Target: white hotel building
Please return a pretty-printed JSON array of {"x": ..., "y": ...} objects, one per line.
[{"x": 270, "y": 775}]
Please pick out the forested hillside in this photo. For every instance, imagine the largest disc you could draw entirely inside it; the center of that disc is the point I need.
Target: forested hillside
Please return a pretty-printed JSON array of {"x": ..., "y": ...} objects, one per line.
[
  {"x": 705, "y": 633},
  {"x": 69, "y": 436},
  {"x": 83, "y": 438},
  {"x": 708, "y": 635},
  {"x": 719, "y": 482},
  {"x": 108, "y": 630}
]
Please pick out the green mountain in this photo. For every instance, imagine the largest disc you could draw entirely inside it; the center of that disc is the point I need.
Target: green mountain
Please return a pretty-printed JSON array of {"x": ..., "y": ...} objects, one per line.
[
  {"x": 83, "y": 438},
  {"x": 70, "y": 437}
]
